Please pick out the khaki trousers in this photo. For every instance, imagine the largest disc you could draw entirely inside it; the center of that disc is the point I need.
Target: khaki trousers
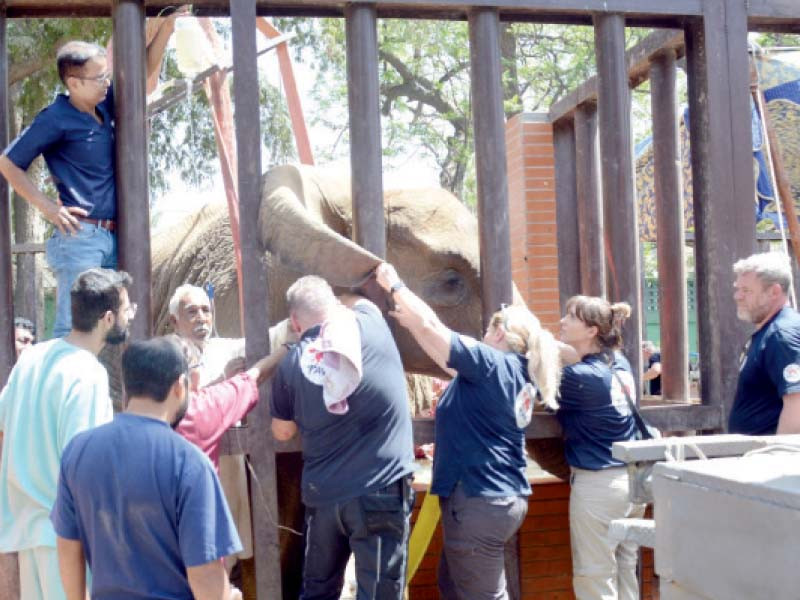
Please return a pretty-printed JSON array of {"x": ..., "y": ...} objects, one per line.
[{"x": 601, "y": 569}]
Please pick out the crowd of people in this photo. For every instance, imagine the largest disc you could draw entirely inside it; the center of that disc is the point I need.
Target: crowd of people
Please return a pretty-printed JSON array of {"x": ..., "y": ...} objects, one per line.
[{"x": 137, "y": 497}]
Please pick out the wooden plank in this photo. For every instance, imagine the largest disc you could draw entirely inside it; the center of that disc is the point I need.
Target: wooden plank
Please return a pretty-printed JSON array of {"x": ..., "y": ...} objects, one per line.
[
  {"x": 590, "y": 202},
  {"x": 722, "y": 171},
  {"x": 670, "y": 227},
  {"x": 133, "y": 206},
  {"x": 554, "y": 10},
  {"x": 637, "y": 60},
  {"x": 259, "y": 443},
  {"x": 620, "y": 215},
  {"x": 674, "y": 417},
  {"x": 490, "y": 160},
  {"x": 363, "y": 95},
  {"x": 28, "y": 248},
  {"x": 7, "y": 351},
  {"x": 569, "y": 266}
]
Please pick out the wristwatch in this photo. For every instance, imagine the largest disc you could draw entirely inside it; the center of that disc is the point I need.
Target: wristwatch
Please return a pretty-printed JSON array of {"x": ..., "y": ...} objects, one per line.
[{"x": 397, "y": 285}]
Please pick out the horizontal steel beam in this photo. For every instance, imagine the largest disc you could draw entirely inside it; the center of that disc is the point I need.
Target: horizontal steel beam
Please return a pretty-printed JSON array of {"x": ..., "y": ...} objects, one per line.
[
  {"x": 638, "y": 65},
  {"x": 547, "y": 10}
]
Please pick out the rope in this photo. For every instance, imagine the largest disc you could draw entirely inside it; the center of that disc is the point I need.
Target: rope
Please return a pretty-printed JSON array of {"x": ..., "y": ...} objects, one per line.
[{"x": 773, "y": 179}]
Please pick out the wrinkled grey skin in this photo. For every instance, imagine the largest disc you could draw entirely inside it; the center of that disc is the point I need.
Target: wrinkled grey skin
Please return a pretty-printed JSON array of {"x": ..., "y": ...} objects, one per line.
[{"x": 305, "y": 228}]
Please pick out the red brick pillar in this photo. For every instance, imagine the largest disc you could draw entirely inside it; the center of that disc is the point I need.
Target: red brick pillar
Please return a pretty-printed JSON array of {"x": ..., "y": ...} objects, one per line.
[{"x": 532, "y": 212}]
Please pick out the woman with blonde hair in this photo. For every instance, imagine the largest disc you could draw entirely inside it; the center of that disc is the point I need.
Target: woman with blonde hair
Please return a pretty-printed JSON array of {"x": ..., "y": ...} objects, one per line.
[
  {"x": 594, "y": 413},
  {"x": 479, "y": 461}
]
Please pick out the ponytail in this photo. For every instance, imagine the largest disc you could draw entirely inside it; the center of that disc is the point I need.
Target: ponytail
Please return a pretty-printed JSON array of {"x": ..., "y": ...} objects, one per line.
[{"x": 544, "y": 366}]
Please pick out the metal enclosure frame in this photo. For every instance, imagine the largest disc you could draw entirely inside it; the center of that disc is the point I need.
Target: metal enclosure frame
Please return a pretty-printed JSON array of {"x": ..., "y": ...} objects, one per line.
[{"x": 599, "y": 187}]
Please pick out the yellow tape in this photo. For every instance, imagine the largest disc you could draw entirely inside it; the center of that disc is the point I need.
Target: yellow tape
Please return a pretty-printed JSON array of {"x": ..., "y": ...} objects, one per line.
[{"x": 422, "y": 533}]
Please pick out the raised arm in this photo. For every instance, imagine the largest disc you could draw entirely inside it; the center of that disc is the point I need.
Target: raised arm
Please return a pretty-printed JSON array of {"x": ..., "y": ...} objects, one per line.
[
  {"x": 415, "y": 315},
  {"x": 157, "y": 46}
]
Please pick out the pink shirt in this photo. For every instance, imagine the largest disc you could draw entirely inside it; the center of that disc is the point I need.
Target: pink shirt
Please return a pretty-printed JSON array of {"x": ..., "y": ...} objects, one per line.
[{"x": 215, "y": 409}]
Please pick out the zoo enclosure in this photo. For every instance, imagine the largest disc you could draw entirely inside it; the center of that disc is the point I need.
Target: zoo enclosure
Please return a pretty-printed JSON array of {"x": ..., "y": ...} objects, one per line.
[{"x": 597, "y": 253}]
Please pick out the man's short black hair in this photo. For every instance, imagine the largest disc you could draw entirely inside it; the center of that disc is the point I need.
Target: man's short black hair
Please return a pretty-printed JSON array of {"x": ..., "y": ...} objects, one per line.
[
  {"x": 151, "y": 367},
  {"x": 93, "y": 293},
  {"x": 23, "y": 323},
  {"x": 73, "y": 56}
]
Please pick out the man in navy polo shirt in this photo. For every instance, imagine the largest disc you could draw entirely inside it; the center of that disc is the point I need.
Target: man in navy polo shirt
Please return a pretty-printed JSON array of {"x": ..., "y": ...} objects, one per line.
[
  {"x": 137, "y": 502},
  {"x": 75, "y": 135},
  {"x": 768, "y": 392},
  {"x": 355, "y": 485}
]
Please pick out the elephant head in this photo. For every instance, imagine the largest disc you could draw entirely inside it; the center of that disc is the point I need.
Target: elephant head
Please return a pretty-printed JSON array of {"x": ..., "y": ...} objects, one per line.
[{"x": 305, "y": 226}]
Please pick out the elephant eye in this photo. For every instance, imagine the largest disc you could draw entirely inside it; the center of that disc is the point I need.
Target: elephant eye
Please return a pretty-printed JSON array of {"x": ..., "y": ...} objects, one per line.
[{"x": 446, "y": 288}]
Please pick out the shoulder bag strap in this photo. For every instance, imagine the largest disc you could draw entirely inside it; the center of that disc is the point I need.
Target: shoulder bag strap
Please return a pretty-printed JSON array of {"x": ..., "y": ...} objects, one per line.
[{"x": 637, "y": 416}]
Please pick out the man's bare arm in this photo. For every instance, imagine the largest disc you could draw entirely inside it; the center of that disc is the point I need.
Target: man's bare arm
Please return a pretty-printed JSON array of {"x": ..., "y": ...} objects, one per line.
[
  {"x": 157, "y": 46},
  {"x": 264, "y": 368},
  {"x": 209, "y": 581},
  {"x": 283, "y": 430},
  {"x": 653, "y": 372},
  {"x": 789, "y": 421},
  {"x": 72, "y": 567},
  {"x": 63, "y": 217}
]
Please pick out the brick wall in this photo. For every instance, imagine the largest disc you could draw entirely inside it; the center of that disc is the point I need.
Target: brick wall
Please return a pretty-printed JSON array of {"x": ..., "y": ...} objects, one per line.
[{"x": 532, "y": 212}]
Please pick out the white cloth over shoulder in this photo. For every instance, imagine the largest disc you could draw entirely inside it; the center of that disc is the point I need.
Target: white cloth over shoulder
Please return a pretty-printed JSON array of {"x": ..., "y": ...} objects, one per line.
[{"x": 333, "y": 359}]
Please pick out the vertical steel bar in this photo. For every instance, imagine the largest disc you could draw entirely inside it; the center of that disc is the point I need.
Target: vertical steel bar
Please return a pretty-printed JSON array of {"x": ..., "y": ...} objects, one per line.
[
  {"x": 722, "y": 175},
  {"x": 670, "y": 228},
  {"x": 9, "y": 568},
  {"x": 365, "y": 127},
  {"x": 133, "y": 205},
  {"x": 260, "y": 444},
  {"x": 490, "y": 159},
  {"x": 590, "y": 202},
  {"x": 7, "y": 354},
  {"x": 620, "y": 218},
  {"x": 569, "y": 267}
]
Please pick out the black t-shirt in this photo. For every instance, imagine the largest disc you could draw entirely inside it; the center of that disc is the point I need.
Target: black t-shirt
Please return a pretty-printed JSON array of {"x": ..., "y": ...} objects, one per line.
[
  {"x": 769, "y": 370},
  {"x": 655, "y": 383},
  {"x": 368, "y": 447}
]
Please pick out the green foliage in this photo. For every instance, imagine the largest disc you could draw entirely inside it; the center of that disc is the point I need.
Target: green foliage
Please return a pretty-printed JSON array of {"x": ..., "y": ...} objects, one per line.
[{"x": 425, "y": 89}]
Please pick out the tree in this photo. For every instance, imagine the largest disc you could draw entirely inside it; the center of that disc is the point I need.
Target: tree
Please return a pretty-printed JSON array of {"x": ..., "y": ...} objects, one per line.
[{"x": 424, "y": 82}]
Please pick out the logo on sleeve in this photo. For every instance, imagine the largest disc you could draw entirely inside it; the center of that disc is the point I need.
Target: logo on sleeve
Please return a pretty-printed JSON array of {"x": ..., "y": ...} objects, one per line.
[{"x": 791, "y": 373}]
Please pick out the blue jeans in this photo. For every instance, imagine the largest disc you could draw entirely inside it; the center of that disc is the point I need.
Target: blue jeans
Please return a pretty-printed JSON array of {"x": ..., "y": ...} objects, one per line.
[
  {"x": 71, "y": 255},
  {"x": 374, "y": 527}
]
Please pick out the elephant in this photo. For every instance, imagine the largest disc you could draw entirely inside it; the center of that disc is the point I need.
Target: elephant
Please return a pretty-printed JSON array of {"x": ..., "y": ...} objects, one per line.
[{"x": 305, "y": 227}]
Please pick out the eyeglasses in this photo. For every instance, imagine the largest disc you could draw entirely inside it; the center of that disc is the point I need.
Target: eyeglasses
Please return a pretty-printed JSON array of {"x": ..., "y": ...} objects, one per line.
[
  {"x": 131, "y": 310},
  {"x": 102, "y": 78},
  {"x": 197, "y": 365}
]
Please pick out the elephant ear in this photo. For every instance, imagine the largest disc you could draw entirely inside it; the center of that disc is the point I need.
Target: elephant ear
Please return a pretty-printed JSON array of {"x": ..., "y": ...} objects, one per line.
[{"x": 291, "y": 228}]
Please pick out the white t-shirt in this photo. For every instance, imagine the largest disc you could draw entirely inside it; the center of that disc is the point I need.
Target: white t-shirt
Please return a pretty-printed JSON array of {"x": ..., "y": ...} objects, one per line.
[{"x": 55, "y": 391}]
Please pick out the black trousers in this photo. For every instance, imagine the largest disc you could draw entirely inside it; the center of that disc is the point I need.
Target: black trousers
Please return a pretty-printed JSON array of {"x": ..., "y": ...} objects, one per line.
[{"x": 374, "y": 527}]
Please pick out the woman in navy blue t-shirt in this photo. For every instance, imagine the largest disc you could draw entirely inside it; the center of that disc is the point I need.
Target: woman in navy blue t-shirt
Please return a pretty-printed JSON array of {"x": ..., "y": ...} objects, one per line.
[
  {"x": 594, "y": 413},
  {"x": 479, "y": 465}
]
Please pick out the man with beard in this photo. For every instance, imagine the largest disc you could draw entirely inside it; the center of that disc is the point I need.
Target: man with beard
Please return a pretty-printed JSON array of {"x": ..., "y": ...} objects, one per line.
[
  {"x": 138, "y": 503},
  {"x": 768, "y": 391},
  {"x": 56, "y": 390},
  {"x": 192, "y": 320}
]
